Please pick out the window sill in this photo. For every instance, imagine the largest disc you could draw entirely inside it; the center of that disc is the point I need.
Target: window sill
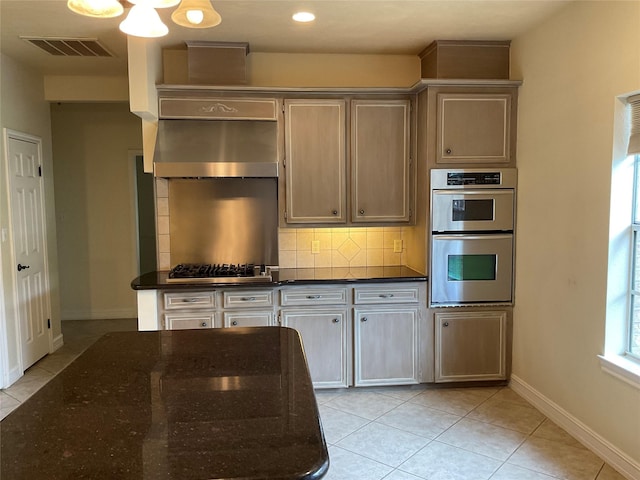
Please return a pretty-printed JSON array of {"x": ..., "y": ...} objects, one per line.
[{"x": 621, "y": 367}]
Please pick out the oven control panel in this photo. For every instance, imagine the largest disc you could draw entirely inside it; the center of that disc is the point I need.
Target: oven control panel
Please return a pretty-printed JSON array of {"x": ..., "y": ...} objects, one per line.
[{"x": 473, "y": 178}]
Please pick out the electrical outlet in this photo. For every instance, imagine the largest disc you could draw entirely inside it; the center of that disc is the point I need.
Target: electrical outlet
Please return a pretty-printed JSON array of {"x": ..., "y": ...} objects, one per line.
[
  {"x": 315, "y": 246},
  {"x": 397, "y": 246}
]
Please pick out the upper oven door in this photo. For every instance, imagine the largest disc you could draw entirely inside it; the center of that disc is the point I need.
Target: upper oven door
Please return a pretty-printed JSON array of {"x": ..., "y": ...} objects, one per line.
[{"x": 472, "y": 210}]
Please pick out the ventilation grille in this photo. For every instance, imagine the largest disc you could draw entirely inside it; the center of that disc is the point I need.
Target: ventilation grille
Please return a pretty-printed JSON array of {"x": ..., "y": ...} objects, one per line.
[{"x": 69, "y": 47}]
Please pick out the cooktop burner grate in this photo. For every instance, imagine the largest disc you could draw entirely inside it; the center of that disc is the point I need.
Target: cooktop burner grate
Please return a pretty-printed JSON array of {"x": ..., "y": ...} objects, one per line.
[{"x": 218, "y": 272}]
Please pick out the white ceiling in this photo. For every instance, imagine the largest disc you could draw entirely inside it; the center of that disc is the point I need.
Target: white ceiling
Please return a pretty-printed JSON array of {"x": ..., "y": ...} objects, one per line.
[{"x": 341, "y": 26}]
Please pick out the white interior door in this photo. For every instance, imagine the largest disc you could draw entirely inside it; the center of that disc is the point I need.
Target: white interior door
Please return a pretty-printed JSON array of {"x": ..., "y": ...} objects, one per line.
[{"x": 29, "y": 246}]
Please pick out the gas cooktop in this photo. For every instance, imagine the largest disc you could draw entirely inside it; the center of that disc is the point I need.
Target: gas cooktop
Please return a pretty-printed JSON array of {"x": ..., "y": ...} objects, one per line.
[{"x": 219, "y": 273}]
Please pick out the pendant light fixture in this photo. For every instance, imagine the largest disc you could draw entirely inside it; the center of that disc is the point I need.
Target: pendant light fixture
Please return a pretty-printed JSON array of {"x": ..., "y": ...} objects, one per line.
[
  {"x": 159, "y": 3},
  {"x": 96, "y": 8},
  {"x": 196, "y": 14},
  {"x": 144, "y": 21}
]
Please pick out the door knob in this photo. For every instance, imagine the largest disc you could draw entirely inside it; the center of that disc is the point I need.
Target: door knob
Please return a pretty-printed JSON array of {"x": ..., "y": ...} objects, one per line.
[{"x": 22, "y": 267}]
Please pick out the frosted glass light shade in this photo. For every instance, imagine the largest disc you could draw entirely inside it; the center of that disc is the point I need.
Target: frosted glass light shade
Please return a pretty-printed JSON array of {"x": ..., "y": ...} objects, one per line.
[
  {"x": 158, "y": 3},
  {"x": 196, "y": 14},
  {"x": 96, "y": 8},
  {"x": 144, "y": 21}
]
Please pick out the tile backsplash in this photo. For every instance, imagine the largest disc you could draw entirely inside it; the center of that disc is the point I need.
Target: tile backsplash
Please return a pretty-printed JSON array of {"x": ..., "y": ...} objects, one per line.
[
  {"x": 341, "y": 247},
  {"x": 306, "y": 247}
]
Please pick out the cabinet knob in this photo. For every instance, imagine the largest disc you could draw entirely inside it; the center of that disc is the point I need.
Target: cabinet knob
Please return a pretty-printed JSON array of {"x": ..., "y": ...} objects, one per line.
[
  {"x": 335, "y": 212},
  {"x": 363, "y": 319},
  {"x": 203, "y": 324},
  {"x": 448, "y": 151},
  {"x": 336, "y": 320},
  {"x": 445, "y": 324},
  {"x": 234, "y": 323},
  {"x": 361, "y": 212}
]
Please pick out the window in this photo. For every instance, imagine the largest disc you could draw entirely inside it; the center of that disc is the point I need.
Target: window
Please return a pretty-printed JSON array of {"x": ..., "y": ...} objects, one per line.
[
  {"x": 621, "y": 356},
  {"x": 633, "y": 347}
]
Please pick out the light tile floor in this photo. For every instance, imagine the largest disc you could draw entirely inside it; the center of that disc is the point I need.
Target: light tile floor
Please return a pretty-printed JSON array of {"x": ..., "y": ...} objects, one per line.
[{"x": 399, "y": 433}]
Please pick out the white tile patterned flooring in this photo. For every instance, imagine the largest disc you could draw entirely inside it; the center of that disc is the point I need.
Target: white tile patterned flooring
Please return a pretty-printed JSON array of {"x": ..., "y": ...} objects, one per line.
[{"x": 399, "y": 433}]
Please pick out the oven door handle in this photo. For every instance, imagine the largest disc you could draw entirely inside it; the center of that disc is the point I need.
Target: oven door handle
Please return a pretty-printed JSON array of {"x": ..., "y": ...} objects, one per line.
[{"x": 471, "y": 236}]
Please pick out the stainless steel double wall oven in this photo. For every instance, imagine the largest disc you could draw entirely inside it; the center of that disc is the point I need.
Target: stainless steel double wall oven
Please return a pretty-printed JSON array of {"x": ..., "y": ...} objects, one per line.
[{"x": 472, "y": 225}]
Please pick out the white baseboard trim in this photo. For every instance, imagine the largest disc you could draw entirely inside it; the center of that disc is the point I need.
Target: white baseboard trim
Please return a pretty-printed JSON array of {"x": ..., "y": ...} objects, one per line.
[
  {"x": 109, "y": 314},
  {"x": 57, "y": 342},
  {"x": 619, "y": 460},
  {"x": 12, "y": 376}
]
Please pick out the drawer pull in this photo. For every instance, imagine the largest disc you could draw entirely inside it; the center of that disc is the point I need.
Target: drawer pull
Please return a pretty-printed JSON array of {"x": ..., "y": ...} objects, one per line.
[
  {"x": 386, "y": 295},
  {"x": 189, "y": 300},
  {"x": 248, "y": 299},
  {"x": 203, "y": 324},
  {"x": 314, "y": 297}
]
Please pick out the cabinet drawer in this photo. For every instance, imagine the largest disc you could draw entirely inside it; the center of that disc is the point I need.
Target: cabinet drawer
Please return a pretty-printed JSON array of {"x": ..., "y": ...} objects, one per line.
[
  {"x": 184, "y": 321},
  {"x": 385, "y": 294},
  {"x": 313, "y": 296},
  {"x": 244, "y": 299},
  {"x": 183, "y": 300},
  {"x": 252, "y": 318}
]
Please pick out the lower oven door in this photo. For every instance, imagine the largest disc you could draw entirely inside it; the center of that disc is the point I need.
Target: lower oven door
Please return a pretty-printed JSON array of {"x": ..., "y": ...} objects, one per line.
[{"x": 471, "y": 269}]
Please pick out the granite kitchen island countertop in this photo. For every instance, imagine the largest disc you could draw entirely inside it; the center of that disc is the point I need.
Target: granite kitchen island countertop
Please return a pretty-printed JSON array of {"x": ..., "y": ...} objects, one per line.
[
  {"x": 292, "y": 276},
  {"x": 201, "y": 405}
]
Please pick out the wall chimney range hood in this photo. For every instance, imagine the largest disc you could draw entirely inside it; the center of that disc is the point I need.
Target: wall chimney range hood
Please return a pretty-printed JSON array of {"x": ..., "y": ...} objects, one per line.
[{"x": 216, "y": 148}]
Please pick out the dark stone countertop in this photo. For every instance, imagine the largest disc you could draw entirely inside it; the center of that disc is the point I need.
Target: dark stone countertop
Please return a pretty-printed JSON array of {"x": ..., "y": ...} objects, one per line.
[
  {"x": 292, "y": 276},
  {"x": 206, "y": 404}
]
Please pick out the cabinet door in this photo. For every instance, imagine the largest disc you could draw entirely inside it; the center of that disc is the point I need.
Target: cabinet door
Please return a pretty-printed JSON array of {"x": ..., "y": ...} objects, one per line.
[
  {"x": 386, "y": 346},
  {"x": 183, "y": 321},
  {"x": 315, "y": 161},
  {"x": 473, "y": 128},
  {"x": 325, "y": 343},
  {"x": 470, "y": 346},
  {"x": 380, "y": 160},
  {"x": 248, "y": 319}
]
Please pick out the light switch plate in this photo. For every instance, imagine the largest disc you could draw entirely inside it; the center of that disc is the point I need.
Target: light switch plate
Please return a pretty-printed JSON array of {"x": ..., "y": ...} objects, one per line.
[
  {"x": 315, "y": 246},
  {"x": 397, "y": 246}
]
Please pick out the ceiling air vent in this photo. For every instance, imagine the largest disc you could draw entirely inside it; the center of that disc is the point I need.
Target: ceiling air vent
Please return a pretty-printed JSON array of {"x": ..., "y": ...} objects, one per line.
[{"x": 70, "y": 47}]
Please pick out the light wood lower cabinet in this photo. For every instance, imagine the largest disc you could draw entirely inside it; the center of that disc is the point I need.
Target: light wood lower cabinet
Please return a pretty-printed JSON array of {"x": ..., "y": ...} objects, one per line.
[
  {"x": 324, "y": 339},
  {"x": 386, "y": 345},
  {"x": 470, "y": 346}
]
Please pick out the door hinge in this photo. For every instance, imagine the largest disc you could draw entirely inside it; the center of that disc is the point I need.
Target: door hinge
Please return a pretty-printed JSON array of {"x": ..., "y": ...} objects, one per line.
[
  {"x": 48, "y": 323},
  {"x": 39, "y": 170},
  {"x": 285, "y": 214}
]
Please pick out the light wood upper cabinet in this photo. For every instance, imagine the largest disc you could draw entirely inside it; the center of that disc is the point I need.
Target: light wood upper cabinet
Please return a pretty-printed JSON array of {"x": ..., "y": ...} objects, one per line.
[
  {"x": 380, "y": 160},
  {"x": 315, "y": 163},
  {"x": 474, "y": 128}
]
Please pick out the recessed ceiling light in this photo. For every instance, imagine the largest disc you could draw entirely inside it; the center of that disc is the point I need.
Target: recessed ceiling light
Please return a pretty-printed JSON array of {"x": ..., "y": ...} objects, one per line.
[{"x": 304, "y": 17}]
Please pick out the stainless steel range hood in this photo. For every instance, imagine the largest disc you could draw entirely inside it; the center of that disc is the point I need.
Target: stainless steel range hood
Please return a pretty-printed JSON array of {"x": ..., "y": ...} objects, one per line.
[{"x": 216, "y": 148}]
